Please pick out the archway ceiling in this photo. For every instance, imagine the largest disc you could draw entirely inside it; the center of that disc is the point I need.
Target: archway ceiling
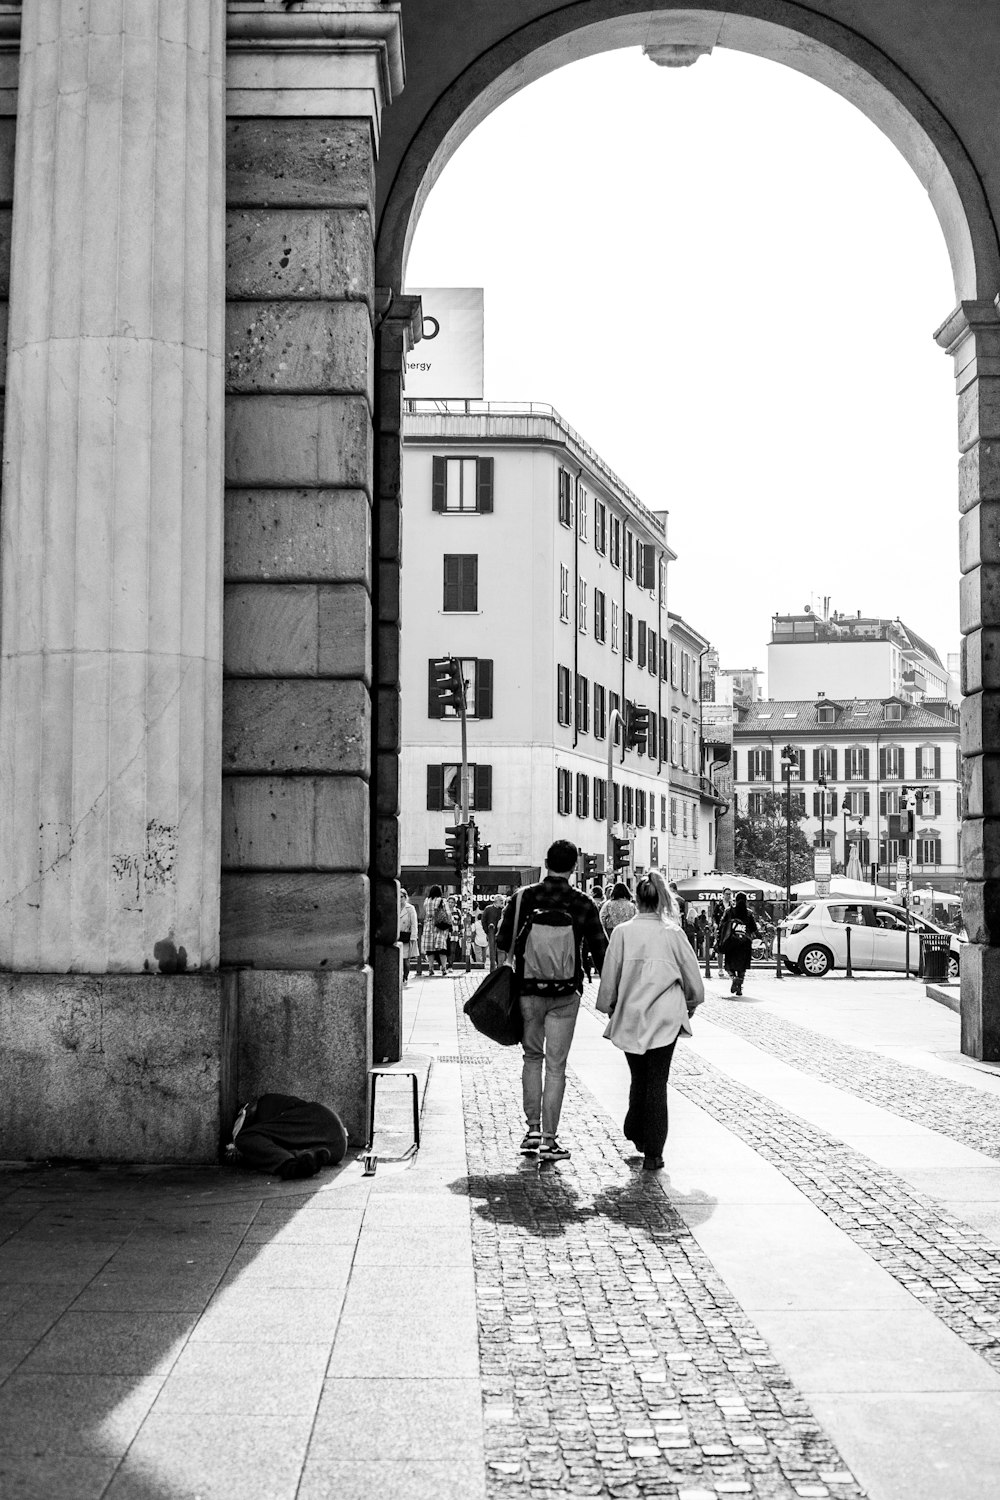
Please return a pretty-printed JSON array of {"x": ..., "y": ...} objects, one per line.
[{"x": 940, "y": 58}]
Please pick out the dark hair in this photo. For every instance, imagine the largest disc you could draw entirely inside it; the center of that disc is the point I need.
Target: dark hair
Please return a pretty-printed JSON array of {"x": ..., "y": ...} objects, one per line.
[
  {"x": 740, "y": 901},
  {"x": 646, "y": 894},
  {"x": 598, "y": 893},
  {"x": 561, "y": 857},
  {"x": 621, "y": 892},
  {"x": 434, "y": 893}
]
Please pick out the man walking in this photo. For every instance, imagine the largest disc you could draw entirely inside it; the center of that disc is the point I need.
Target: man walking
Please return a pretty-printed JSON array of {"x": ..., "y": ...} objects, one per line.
[{"x": 557, "y": 926}]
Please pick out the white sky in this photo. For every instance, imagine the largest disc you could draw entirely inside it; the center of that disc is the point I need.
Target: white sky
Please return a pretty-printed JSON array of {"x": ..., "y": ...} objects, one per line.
[{"x": 727, "y": 280}]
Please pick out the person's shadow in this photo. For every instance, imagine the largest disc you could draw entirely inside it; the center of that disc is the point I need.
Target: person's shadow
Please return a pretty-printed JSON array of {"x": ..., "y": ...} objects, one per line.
[{"x": 546, "y": 1204}]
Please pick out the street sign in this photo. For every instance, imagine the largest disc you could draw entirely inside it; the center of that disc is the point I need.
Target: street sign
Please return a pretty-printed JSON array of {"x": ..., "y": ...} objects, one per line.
[{"x": 822, "y": 870}]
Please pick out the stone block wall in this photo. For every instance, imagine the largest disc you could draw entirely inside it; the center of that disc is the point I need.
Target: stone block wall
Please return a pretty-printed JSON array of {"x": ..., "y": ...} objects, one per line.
[{"x": 298, "y": 638}]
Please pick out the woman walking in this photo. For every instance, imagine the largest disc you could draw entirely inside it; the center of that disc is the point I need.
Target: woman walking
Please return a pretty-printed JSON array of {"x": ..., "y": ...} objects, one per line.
[
  {"x": 618, "y": 908},
  {"x": 409, "y": 933},
  {"x": 650, "y": 986},
  {"x": 736, "y": 935},
  {"x": 436, "y": 931}
]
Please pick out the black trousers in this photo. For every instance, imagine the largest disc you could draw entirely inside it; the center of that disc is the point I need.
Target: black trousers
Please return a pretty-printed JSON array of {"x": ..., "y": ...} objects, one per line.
[
  {"x": 283, "y": 1126},
  {"x": 646, "y": 1121}
]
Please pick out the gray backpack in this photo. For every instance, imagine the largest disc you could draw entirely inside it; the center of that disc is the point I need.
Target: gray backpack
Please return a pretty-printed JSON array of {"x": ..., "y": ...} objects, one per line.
[{"x": 547, "y": 954}]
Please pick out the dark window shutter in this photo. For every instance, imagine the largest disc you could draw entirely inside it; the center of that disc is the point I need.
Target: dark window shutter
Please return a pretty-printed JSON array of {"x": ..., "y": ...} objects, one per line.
[
  {"x": 641, "y": 646},
  {"x": 937, "y": 762},
  {"x": 868, "y": 804},
  {"x": 901, "y": 754},
  {"x": 452, "y": 582},
  {"x": 815, "y": 802},
  {"x": 767, "y": 765},
  {"x": 435, "y": 708},
  {"x": 438, "y": 481},
  {"x": 937, "y": 804},
  {"x": 483, "y": 788},
  {"x": 484, "y": 689},
  {"x": 484, "y": 485},
  {"x": 435, "y": 788},
  {"x": 833, "y": 765},
  {"x": 882, "y": 759},
  {"x": 470, "y": 581},
  {"x": 817, "y": 767},
  {"x": 882, "y": 801},
  {"x": 735, "y": 775},
  {"x": 937, "y": 846},
  {"x": 865, "y": 757}
]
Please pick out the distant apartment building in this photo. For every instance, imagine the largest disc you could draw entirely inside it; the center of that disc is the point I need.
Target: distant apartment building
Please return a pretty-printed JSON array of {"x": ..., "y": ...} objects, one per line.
[
  {"x": 531, "y": 561},
  {"x": 868, "y": 749},
  {"x": 853, "y": 656},
  {"x": 694, "y": 801}
]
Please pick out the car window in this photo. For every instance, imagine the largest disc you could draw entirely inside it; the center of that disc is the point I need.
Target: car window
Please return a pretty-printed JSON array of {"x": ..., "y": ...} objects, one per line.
[
  {"x": 889, "y": 919},
  {"x": 800, "y": 912},
  {"x": 852, "y": 914}
]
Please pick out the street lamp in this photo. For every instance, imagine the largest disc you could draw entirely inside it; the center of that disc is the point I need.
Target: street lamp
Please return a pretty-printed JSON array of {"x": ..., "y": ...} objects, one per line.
[
  {"x": 821, "y": 783},
  {"x": 789, "y": 762}
]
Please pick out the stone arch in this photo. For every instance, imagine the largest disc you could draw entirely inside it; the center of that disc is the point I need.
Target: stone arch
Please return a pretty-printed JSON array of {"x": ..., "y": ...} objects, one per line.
[
  {"x": 811, "y": 44},
  {"x": 870, "y": 78}
]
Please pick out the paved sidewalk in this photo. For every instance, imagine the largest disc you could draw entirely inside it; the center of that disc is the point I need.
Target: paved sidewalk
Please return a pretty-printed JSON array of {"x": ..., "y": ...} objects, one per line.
[{"x": 805, "y": 1304}]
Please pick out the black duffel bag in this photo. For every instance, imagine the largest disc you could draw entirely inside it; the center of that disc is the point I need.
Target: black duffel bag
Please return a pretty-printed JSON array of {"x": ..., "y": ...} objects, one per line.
[{"x": 495, "y": 1007}]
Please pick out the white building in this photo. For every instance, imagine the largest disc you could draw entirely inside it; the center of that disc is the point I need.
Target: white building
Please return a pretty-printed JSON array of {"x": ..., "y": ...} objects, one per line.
[
  {"x": 693, "y": 799},
  {"x": 529, "y": 559},
  {"x": 852, "y": 656}
]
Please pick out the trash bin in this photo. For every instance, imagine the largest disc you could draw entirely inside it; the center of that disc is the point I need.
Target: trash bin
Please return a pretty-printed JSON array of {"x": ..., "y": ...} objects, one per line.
[{"x": 934, "y": 950}]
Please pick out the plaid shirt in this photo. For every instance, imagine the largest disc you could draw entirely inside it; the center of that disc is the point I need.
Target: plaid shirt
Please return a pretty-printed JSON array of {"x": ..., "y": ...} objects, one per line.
[{"x": 555, "y": 893}]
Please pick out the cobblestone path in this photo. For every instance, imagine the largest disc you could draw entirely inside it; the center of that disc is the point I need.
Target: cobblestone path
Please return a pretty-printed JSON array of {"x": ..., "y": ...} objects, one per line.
[
  {"x": 945, "y": 1263},
  {"x": 959, "y": 1111},
  {"x": 614, "y": 1360}
]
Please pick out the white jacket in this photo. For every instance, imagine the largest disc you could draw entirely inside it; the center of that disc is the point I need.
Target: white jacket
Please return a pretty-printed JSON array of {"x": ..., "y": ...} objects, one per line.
[{"x": 650, "y": 984}]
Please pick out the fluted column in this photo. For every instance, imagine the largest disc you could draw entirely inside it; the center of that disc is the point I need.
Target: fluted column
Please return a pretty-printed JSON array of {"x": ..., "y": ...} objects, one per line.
[{"x": 110, "y": 672}]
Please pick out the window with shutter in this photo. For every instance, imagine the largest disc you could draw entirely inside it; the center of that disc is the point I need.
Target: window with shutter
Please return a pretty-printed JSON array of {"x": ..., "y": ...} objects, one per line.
[
  {"x": 438, "y": 472},
  {"x": 615, "y": 705},
  {"x": 627, "y": 634},
  {"x": 641, "y": 645},
  {"x": 461, "y": 582},
  {"x": 565, "y": 499},
  {"x": 582, "y": 704},
  {"x": 651, "y": 655},
  {"x": 482, "y": 789},
  {"x": 614, "y": 626},
  {"x": 484, "y": 485},
  {"x": 562, "y": 694},
  {"x": 563, "y": 592},
  {"x": 616, "y": 797},
  {"x": 435, "y": 788},
  {"x": 629, "y": 553},
  {"x": 600, "y": 712},
  {"x": 581, "y": 597},
  {"x": 937, "y": 763},
  {"x": 647, "y": 566},
  {"x": 599, "y": 616},
  {"x": 733, "y": 763},
  {"x": 615, "y": 552},
  {"x": 484, "y": 688}
]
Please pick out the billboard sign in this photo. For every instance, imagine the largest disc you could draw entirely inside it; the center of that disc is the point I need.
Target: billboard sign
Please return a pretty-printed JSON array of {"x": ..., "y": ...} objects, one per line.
[{"x": 447, "y": 363}]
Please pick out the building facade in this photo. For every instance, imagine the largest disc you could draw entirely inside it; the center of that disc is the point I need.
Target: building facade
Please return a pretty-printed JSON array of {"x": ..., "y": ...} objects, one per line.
[
  {"x": 868, "y": 750},
  {"x": 530, "y": 561},
  {"x": 693, "y": 798},
  {"x": 853, "y": 656}
]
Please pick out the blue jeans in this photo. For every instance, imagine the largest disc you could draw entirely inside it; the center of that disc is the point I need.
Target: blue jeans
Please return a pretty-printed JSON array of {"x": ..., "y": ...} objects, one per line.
[{"x": 548, "y": 1032}]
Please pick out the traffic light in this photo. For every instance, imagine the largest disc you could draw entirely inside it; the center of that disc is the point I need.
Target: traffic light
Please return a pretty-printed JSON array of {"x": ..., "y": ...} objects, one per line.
[
  {"x": 593, "y": 865},
  {"x": 622, "y": 854},
  {"x": 476, "y": 852},
  {"x": 636, "y": 727},
  {"x": 456, "y": 843},
  {"x": 449, "y": 685}
]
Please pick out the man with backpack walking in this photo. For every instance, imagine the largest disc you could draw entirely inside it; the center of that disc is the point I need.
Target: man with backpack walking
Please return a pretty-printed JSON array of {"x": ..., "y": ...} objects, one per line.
[{"x": 557, "y": 926}]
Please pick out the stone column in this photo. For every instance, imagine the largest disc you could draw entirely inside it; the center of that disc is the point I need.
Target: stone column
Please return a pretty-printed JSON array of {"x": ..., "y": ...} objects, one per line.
[
  {"x": 399, "y": 323},
  {"x": 110, "y": 693},
  {"x": 972, "y": 336},
  {"x": 305, "y": 94}
]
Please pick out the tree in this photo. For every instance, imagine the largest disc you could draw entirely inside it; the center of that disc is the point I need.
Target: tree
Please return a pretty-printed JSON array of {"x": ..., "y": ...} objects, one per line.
[{"x": 760, "y": 841}]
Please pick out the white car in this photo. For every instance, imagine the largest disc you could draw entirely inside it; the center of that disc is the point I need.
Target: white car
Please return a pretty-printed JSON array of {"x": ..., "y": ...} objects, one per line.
[{"x": 814, "y": 937}]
